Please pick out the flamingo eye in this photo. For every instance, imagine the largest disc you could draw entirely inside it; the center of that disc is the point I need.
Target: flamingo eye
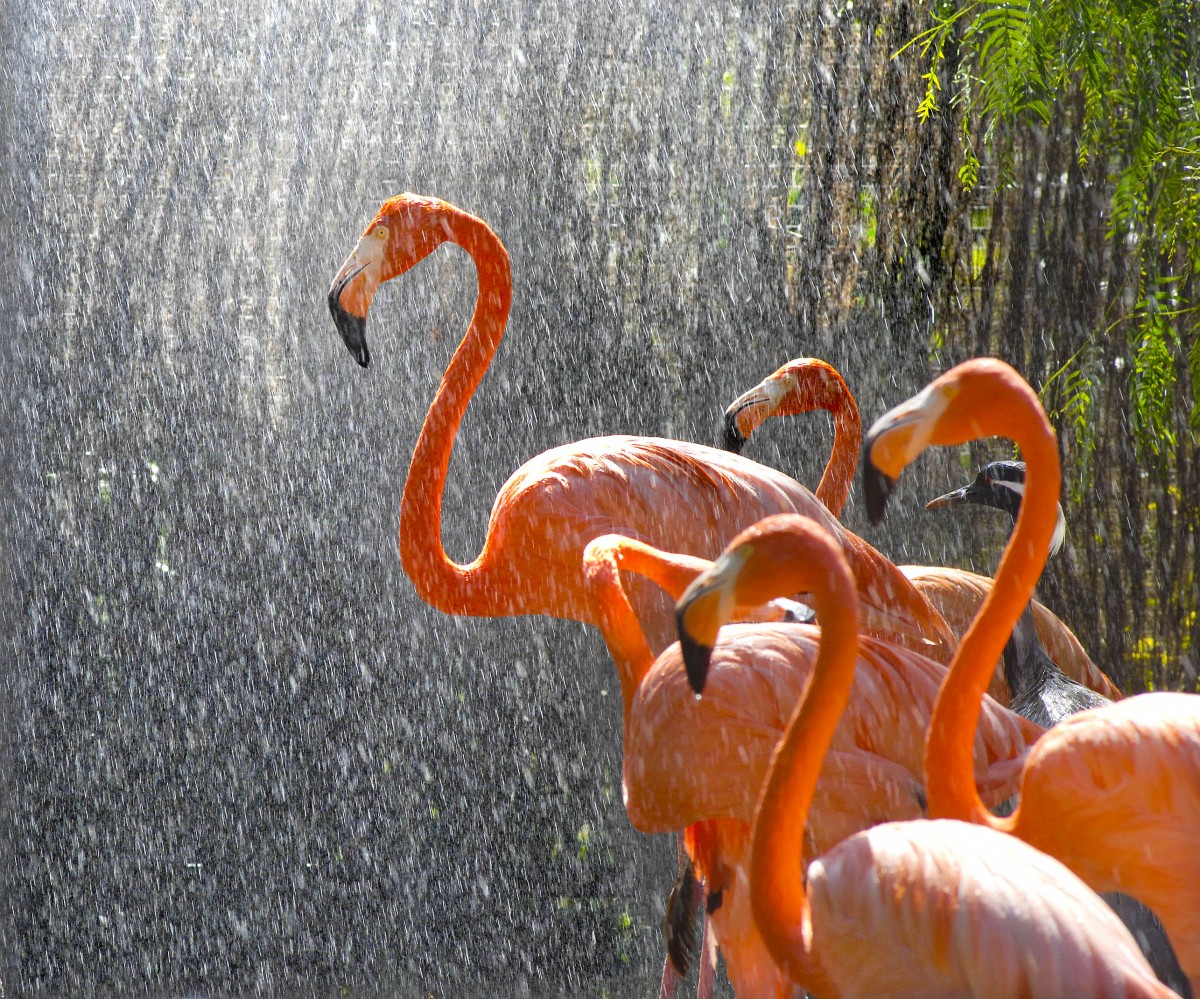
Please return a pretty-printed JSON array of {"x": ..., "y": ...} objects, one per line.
[{"x": 380, "y": 232}]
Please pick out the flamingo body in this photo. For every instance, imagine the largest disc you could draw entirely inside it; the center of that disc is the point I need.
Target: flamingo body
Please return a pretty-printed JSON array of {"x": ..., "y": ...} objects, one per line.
[
  {"x": 689, "y": 758},
  {"x": 679, "y": 496},
  {"x": 1115, "y": 791},
  {"x": 944, "y": 908},
  {"x": 683, "y": 497}
]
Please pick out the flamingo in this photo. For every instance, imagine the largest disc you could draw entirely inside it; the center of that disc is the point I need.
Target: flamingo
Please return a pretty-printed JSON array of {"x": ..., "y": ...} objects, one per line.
[
  {"x": 904, "y": 908},
  {"x": 1112, "y": 792},
  {"x": 800, "y": 386},
  {"x": 1043, "y": 694},
  {"x": 697, "y": 765},
  {"x": 683, "y": 496},
  {"x": 806, "y": 383}
]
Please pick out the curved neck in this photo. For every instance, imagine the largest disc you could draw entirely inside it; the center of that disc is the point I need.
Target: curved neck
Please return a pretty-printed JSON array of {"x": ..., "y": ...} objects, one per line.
[
  {"x": 949, "y": 771},
  {"x": 834, "y": 488},
  {"x": 777, "y": 881},
  {"x": 819, "y": 386},
  {"x": 604, "y": 559},
  {"x": 441, "y": 582}
]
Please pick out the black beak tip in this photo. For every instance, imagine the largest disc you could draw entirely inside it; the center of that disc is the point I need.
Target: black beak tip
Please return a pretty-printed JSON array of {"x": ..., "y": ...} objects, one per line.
[
  {"x": 878, "y": 487},
  {"x": 732, "y": 439},
  {"x": 353, "y": 330},
  {"x": 696, "y": 657}
]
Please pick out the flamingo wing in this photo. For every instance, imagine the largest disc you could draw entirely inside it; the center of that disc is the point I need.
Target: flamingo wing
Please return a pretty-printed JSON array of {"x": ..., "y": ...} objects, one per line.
[
  {"x": 1115, "y": 794},
  {"x": 689, "y": 758},
  {"x": 677, "y": 496}
]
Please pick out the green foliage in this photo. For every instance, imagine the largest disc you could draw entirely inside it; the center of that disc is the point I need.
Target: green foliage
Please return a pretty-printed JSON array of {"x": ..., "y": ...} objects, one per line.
[
  {"x": 1121, "y": 78},
  {"x": 1153, "y": 373},
  {"x": 1009, "y": 47},
  {"x": 1076, "y": 411},
  {"x": 928, "y": 103},
  {"x": 1193, "y": 360},
  {"x": 968, "y": 175}
]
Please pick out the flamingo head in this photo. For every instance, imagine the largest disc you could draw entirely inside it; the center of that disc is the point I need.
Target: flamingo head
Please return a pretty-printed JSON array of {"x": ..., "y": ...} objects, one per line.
[
  {"x": 781, "y": 555},
  {"x": 972, "y": 400},
  {"x": 751, "y": 408},
  {"x": 801, "y": 385},
  {"x": 405, "y": 231},
  {"x": 705, "y": 605}
]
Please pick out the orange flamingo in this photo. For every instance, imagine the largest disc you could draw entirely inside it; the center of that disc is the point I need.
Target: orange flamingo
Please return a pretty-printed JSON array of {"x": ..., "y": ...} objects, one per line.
[
  {"x": 697, "y": 764},
  {"x": 800, "y": 386},
  {"x": 684, "y": 497},
  {"x": 1043, "y": 694},
  {"x": 904, "y": 908},
  {"x": 805, "y": 384},
  {"x": 1113, "y": 792}
]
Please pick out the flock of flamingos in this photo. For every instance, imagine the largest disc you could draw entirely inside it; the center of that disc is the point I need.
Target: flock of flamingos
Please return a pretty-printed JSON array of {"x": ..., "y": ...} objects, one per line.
[{"x": 887, "y": 780}]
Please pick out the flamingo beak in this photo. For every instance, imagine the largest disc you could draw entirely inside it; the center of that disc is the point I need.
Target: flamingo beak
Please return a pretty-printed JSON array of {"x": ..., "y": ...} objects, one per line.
[
  {"x": 705, "y": 605},
  {"x": 350, "y": 296},
  {"x": 748, "y": 410},
  {"x": 352, "y": 329},
  {"x": 877, "y": 487},
  {"x": 895, "y": 439},
  {"x": 741, "y": 418},
  {"x": 697, "y": 654},
  {"x": 733, "y": 440}
]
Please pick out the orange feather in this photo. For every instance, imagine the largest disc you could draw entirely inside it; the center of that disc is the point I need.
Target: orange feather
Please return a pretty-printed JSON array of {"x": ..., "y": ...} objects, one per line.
[
  {"x": 1113, "y": 792},
  {"x": 903, "y": 908}
]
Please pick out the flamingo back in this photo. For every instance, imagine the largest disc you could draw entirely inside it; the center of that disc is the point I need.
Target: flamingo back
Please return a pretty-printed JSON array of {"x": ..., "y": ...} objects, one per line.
[
  {"x": 1115, "y": 794},
  {"x": 677, "y": 496},
  {"x": 689, "y": 758},
  {"x": 965, "y": 910}
]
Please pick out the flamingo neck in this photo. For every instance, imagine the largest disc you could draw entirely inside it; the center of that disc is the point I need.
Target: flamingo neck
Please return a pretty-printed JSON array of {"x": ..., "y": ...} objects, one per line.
[
  {"x": 453, "y": 588},
  {"x": 949, "y": 770},
  {"x": 619, "y": 625},
  {"x": 627, "y": 644},
  {"x": 777, "y": 880},
  {"x": 834, "y": 488}
]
